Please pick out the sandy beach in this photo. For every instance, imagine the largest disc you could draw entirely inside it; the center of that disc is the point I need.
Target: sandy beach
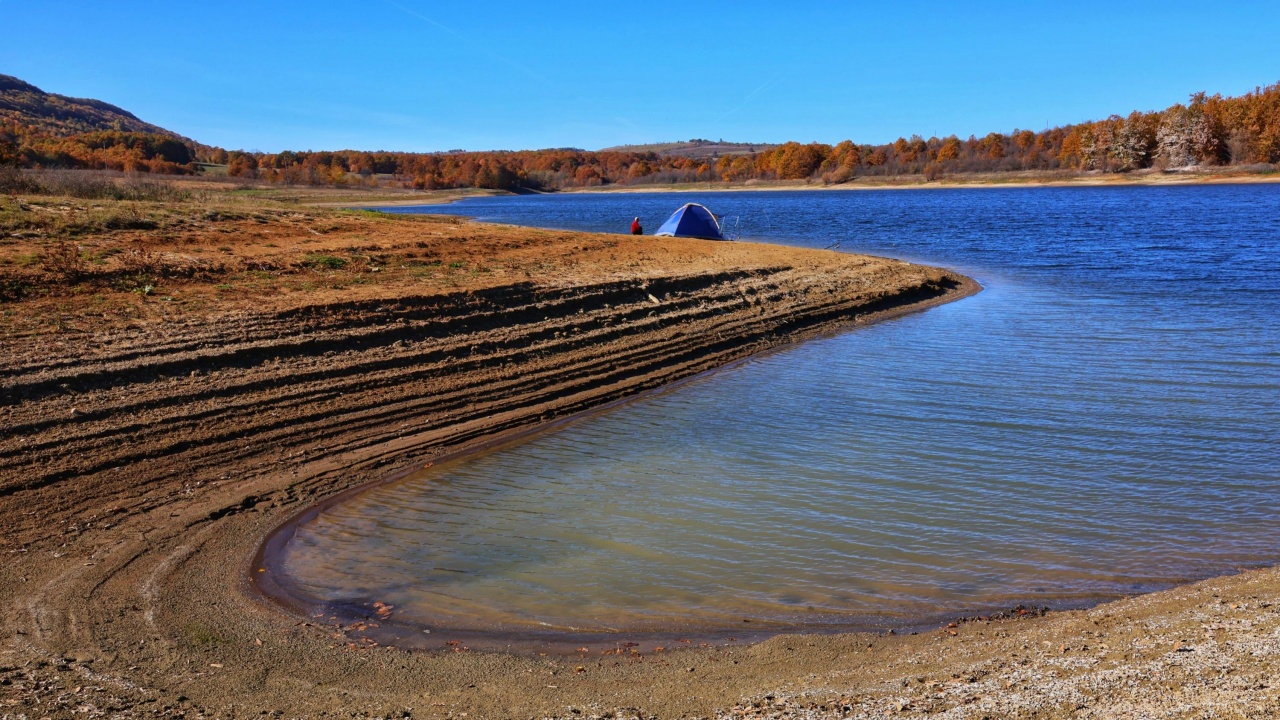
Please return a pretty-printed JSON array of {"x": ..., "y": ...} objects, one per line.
[{"x": 155, "y": 434}]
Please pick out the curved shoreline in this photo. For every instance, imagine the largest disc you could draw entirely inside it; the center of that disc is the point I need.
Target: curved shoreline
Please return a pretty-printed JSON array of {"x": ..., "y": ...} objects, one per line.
[
  {"x": 266, "y": 575},
  {"x": 140, "y": 468}
]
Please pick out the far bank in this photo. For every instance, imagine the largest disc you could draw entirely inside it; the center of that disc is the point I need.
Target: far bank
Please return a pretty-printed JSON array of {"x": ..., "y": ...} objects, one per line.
[{"x": 977, "y": 181}]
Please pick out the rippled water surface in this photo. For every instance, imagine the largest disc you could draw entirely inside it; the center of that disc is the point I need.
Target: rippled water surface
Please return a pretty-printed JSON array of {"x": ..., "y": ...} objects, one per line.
[{"x": 1104, "y": 419}]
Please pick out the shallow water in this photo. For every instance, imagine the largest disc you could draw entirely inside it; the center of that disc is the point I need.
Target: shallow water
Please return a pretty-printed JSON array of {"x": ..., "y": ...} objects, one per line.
[{"x": 1103, "y": 420}]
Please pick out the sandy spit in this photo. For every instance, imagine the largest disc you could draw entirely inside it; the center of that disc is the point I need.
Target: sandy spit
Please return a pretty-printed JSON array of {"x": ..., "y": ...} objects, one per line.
[{"x": 141, "y": 467}]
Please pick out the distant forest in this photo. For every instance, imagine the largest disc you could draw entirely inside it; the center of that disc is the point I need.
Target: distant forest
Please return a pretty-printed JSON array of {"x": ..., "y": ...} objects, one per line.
[{"x": 1207, "y": 131}]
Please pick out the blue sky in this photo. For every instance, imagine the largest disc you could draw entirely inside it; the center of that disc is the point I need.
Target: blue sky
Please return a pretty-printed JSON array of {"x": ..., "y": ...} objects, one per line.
[{"x": 424, "y": 75}]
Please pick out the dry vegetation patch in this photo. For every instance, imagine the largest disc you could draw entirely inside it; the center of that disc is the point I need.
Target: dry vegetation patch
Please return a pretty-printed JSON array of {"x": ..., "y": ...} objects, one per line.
[{"x": 73, "y": 248}]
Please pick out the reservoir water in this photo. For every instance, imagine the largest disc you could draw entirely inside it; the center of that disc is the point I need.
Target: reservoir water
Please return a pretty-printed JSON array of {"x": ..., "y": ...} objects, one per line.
[{"x": 1102, "y": 420}]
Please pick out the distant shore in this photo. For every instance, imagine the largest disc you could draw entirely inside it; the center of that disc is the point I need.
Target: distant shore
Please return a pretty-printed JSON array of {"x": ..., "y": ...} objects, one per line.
[
  {"x": 1143, "y": 178},
  {"x": 986, "y": 180}
]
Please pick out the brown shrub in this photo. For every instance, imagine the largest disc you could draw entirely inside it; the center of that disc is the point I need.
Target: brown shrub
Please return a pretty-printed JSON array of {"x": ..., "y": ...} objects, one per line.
[{"x": 63, "y": 263}]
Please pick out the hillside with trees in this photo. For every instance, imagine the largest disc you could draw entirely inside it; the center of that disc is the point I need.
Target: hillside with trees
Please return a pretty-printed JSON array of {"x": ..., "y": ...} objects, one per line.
[
  {"x": 42, "y": 130},
  {"x": 55, "y": 115}
]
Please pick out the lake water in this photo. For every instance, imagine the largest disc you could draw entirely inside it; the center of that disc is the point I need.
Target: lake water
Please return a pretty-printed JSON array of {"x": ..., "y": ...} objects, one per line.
[{"x": 1102, "y": 420}]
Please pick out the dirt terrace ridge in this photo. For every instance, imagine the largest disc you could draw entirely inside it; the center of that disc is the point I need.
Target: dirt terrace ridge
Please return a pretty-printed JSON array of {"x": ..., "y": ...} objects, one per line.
[{"x": 139, "y": 412}]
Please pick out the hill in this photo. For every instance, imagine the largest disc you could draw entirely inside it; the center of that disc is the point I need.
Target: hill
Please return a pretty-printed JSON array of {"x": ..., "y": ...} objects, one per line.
[
  {"x": 696, "y": 149},
  {"x": 50, "y": 114},
  {"x": 40, "y": 129}
]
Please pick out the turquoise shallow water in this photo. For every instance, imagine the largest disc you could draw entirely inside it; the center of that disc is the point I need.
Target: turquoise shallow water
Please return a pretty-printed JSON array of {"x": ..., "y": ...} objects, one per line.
[{"x": 1103, "y": 420}]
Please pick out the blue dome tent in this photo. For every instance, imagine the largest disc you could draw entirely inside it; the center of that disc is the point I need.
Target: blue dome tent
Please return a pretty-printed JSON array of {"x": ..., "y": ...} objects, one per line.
[{"x": 692, "y": 220}]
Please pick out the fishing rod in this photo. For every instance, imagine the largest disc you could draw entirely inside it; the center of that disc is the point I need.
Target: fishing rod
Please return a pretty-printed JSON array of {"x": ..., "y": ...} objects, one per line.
[{"x": 737, "y": 226}]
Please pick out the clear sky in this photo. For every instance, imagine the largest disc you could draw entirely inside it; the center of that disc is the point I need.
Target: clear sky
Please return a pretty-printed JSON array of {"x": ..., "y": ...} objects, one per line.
[{"x": 423, "y": 75}]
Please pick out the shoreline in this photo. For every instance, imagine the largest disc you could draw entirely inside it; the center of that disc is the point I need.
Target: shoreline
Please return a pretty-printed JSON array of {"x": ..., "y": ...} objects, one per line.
[
  {"x": 147, "y": 461},
  {"x": 978, "y": 182},
  {"x": 985, "y": 181}
]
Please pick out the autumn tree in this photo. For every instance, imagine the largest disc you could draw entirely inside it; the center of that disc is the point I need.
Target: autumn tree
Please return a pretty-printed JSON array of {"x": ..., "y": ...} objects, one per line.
[
  {"x": 1135, "y": 141},
  {"x": 950, "y": 149},
  {"x": 797, "y": 162}
]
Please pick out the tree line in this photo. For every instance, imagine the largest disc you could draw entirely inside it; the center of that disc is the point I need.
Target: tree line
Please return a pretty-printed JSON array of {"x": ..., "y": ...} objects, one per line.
[
  {"x": 1206, "y": 131},
  {"x": 24, "y": 146}
]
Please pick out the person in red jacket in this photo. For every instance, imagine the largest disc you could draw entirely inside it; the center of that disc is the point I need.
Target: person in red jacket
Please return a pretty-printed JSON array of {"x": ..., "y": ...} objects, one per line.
[{"x": 635, "y": 227}]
